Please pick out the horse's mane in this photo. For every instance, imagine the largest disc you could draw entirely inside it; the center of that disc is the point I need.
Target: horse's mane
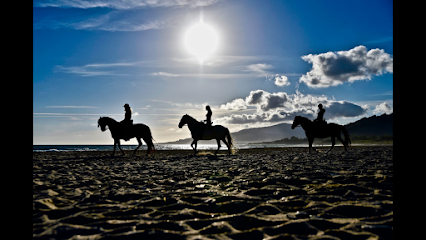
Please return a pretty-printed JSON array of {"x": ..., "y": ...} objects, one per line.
[
  {"x": 108, "y": 119},
  {"x": 191, "y": 117},
  {"x": 303, "y": 118}
]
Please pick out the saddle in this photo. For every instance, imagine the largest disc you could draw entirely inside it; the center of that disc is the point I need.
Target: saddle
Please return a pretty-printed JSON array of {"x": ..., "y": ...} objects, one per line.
[
  {"x": 126, "y": 127},
  {"x": 205, "y": 128},
  {"x": 319, "y": 123},
  {"x": 320, "y": 126}
]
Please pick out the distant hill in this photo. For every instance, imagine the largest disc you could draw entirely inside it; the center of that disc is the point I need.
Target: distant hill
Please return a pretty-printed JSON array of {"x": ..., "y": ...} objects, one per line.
[
  {"x": 374, "y": 125},
  {"x": 275, "y": 132},
  {"x": 271, "y": 133}
]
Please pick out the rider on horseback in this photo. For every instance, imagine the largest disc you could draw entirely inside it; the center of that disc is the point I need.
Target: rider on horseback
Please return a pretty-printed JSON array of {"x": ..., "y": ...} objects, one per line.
[
  {"x": 127, "y": 123},
  {"x": 208, "y": 121},
  {"x": 320, "y": 119}
]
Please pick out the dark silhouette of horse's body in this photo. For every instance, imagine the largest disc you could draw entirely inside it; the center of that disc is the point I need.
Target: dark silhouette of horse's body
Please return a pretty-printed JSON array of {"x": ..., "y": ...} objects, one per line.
[
  {"x": 322, "y": 130},
  {"x": 199, "y": 132},
  {"x": 119, "y": 131}
]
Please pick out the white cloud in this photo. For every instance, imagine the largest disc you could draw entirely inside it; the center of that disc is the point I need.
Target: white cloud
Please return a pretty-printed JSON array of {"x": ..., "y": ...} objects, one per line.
[
  {"x": 105, "y": 22},
  {"x": 281, "y": 107},
  {"x": 164, "y": 74},
  {"x": 70, "y": 107},
  {"x": 281, "y": 81},
  {"x": 236, "y": 104},
  {"x": 122, "y": 4},
  {"x": 266, "y": 101},
  {"x": 96, "y": 69},
  {"x": 173, "y": 130},
  {"x": 334, "y": 68},
  {"x": 125, "y": 26},
  {"x": 383, "y": 107},
  {"x": 84, "y": 71},
  {"x": 260, "y": 68}
]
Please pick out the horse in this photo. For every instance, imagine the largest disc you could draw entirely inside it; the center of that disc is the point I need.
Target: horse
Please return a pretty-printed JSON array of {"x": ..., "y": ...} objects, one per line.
[
  {"x": 118, "y": 132},
  {"x": 217, "y": 132},
  {"x": 327, "y": 130}
]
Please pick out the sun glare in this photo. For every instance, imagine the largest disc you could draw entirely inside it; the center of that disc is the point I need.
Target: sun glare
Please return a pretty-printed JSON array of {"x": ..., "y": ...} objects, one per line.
[{"x": 201, "y": 40}]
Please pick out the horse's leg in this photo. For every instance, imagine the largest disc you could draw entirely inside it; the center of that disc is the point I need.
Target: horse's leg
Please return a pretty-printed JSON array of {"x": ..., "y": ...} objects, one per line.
[
  {"x": 140, "y": 144},
  {"x": 343, "y": 142},
  {"x": 113, "y": 152},
  {"x": 311, "y": 140},
  {"x": 195, "y": 148},
  {"x": 226, "y": 143},
  {"x": 218, "y": 146},
  {"x": 333, "y": 141},
  {"x": 192, "y": 145},
  {"x": 119, "y": 147},
  {"x": 150, "y": 144}
]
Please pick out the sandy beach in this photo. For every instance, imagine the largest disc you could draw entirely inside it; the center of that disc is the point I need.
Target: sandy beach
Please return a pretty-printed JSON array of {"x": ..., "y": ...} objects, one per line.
[{"x": 270, "y": 193}]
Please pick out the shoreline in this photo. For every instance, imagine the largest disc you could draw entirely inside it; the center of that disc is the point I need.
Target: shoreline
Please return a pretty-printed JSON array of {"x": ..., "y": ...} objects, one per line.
[
  {"x": 222, "y": 151},
  {"x": 184, "y": 147}
]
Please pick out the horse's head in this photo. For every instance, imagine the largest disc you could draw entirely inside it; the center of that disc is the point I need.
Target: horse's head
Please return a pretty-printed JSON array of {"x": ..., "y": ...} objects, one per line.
[
  {"x": 102, "y": 123},
  {"x": 183, "y": 120},
  {"x": 296, "y": 122}
]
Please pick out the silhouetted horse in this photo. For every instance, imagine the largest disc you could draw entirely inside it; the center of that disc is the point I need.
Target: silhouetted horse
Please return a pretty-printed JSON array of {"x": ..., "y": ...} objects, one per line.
[
  {"x": 217, "y": 132},
  {"x": 322, "y": 131},
  {"x": 117, "y": 132}
]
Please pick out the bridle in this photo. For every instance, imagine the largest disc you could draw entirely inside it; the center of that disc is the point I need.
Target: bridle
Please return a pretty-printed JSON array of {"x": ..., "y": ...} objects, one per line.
[{"x": 106, "y": 127}]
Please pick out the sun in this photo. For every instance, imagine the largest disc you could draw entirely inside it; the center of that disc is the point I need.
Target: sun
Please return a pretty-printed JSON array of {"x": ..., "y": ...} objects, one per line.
[{"x": 201, "y": 40}]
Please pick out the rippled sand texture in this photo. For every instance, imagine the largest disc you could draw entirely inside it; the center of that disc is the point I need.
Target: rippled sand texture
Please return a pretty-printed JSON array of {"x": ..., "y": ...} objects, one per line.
[{"x": 255, "y": 194}]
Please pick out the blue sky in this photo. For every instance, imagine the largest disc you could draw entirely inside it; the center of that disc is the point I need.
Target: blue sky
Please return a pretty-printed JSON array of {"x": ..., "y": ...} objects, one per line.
[{"x": 274, "y": 60}]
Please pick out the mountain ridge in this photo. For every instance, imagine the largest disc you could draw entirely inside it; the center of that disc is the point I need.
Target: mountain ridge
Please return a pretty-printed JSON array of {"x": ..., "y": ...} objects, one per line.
[{"x": 375, "y": 125}]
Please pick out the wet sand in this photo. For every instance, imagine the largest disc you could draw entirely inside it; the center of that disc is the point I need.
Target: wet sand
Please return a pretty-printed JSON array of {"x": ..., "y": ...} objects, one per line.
[{"x": 271, "y": 193}]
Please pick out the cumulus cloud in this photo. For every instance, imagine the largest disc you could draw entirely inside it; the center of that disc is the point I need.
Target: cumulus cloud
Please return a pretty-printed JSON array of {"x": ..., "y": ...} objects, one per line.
[
  {"x": 265, "y": 117},
  {"x": 281, "y": 107},
  {"x": 383, "y": 107},
  {"x": 334, "y": 68},
  {"x": 236, "y": 104},
  {"x": 344, "y": 109},
  {"x": 266, "y": 101},
  {"x": 281, "y": 81}
]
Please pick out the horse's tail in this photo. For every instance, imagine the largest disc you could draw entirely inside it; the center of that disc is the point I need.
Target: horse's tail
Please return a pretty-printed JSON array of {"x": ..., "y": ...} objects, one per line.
[
  {"x": 152, "y": 145},
  {"x": 231, "y": 142},
  {"x": 346, "y": 134},
  {"x": 148, "y": 140}
]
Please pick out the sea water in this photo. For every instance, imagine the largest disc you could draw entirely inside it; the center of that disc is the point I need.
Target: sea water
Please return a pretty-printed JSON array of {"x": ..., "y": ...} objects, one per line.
[{"x": 62, "y": 148}]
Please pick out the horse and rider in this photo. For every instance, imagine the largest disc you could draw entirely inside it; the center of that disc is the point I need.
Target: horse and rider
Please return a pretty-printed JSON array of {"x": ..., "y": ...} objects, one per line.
[
  {"x": 127, "y": 123},
  {"x": 319, "y": 128},
  {"x": 127, "y": 130},
  {"x": 204, "y": 130}
]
